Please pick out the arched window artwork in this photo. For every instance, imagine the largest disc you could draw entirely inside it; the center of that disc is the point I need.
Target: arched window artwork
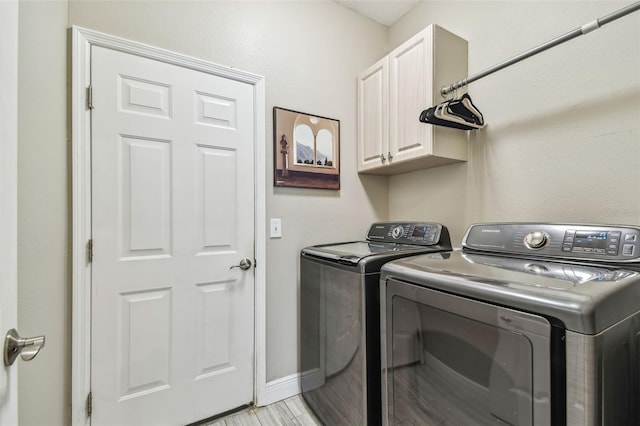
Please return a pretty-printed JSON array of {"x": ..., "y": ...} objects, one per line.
[
  {"x": 324, "y": 148},
  {"x": 303, "y": 149},
  {"x": 306, "y": 150},
  {"x": 313, "y": 150}
]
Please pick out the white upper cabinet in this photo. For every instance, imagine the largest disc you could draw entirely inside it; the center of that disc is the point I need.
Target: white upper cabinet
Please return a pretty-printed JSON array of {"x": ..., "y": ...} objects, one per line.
[
  {"x": 395, "y": 90},
  {"x": 373, "y": 115}
]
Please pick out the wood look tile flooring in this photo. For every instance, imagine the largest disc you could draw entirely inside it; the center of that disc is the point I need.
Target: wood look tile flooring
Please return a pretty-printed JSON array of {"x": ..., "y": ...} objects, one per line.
[{"x": 291, "y": 411}]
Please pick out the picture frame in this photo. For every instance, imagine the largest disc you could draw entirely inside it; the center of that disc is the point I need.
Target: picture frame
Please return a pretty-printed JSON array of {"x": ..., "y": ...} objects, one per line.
[{"x": 306, "y": 150}]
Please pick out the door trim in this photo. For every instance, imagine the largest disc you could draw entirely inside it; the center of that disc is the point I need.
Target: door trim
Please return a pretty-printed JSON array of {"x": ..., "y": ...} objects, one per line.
[{"x": 82, "y": 41}]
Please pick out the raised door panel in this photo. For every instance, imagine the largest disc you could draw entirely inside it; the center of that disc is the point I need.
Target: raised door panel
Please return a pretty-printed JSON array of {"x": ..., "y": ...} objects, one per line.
[
  {"x": 140, "y": 373},
  {"x": 410, "y": 92},
  {"x": 373, "y": 116},
  {"x": 144, "y": 197},
  {"x": 214, "y": 330},
  {"x": 216, "y": 203}
]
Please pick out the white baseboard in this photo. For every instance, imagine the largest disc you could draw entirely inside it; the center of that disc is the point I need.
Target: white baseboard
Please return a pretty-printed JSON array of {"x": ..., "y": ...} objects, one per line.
[{"x": 279, "y": 389}]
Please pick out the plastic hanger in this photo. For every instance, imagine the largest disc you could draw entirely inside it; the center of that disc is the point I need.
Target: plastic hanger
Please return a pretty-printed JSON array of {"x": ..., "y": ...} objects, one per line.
[
  {"x": 429, "y": 116},
  {"x": 464, "y": 108},
  {"x": 458, "y": 112},
  {"x": 443, "y": 112}
]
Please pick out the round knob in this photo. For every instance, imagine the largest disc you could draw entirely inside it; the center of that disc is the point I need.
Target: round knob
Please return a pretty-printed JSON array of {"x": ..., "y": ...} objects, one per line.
[
  {"x": 397, "y": 232},
  {"x": 536, "y": 239}
]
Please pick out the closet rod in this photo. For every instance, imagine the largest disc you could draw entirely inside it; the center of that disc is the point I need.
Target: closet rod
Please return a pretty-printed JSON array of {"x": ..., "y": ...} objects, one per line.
[{"x": 587, "y": 28}]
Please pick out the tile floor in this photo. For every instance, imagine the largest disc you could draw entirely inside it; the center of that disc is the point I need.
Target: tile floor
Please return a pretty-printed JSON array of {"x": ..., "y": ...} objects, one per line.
[{"x": 291, "y": 411}]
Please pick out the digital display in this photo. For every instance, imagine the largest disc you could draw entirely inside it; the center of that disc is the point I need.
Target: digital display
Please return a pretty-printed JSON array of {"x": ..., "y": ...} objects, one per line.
[
  {"x": 596, "y": 240},
  {"x": 419, "y": 231}
]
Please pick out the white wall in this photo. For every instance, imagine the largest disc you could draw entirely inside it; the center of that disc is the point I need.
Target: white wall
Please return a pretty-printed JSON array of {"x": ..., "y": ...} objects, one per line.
[
  {"x": 310, "y": 53},
  {"x": 8, "y": 199},
  {"x": 44, "y": 289},
  {"x": 562, "y": 141}
]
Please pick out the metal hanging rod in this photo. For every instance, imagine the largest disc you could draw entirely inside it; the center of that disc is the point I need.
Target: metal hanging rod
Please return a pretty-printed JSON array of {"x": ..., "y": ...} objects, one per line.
[{"x": 586, "y": 28}]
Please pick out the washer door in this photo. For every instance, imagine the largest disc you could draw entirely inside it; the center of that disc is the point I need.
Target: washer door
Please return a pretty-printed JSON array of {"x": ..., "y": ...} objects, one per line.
[{"x": 452, "y": 360}]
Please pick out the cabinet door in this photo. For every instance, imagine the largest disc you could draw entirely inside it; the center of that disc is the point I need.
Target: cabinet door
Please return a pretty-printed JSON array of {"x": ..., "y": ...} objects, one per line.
[
  {"x": 410, "y": 92},
  {"x": 373, "y": 116}
]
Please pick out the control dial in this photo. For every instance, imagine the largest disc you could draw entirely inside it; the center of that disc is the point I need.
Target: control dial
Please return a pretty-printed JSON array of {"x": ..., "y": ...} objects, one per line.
[
  {"x": 397, "y": 232},
  {"x": 536, "y": 239}
]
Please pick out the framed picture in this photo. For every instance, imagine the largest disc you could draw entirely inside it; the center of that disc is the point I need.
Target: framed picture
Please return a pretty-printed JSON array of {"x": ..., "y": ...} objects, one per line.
[{"x": 306, "y": 150}]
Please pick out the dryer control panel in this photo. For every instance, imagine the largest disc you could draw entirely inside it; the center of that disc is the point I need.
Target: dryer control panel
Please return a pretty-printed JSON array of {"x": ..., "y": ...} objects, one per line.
[
  {"x": 420, "y": 233},
  {"x": 604, "y": 243}
]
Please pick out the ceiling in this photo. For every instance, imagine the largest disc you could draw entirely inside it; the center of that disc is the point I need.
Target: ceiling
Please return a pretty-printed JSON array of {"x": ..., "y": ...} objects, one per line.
[{"x": 386, "y": 12}]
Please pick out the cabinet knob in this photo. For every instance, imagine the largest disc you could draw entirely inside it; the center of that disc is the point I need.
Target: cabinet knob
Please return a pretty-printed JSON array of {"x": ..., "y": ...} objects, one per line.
[
  {"x": 390, "y": 156},
  {"x": 382, "y": 158}
]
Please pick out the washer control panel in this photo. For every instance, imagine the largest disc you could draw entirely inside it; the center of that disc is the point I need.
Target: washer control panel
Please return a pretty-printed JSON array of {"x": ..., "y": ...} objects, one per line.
[
  {"x": 420, "y": 233},
  {"x": 568, "y": 241}
]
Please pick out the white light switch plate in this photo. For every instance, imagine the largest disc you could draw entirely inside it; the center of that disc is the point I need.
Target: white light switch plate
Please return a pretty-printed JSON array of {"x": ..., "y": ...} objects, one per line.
[{"x": 276, "y": 228}]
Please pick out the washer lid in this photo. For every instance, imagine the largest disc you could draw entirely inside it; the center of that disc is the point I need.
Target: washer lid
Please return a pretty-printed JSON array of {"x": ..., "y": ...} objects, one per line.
[
  {"x": 354, "y": 252},
  {"x": 585, "y": 298}
]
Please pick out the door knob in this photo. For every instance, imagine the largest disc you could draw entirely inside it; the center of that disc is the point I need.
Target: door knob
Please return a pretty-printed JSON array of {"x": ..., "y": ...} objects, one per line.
[
  {"x": 26, "y": 347},
  {"x": 244, "y": 265}
]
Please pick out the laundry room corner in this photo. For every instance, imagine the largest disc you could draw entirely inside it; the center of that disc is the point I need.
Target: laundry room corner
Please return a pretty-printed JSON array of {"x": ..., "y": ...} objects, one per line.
[
  {"x": 562, "y": 127},
  {"x": 560, "y": 144}
]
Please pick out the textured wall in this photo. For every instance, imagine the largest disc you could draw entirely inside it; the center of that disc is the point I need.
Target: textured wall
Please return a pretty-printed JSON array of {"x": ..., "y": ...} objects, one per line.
[
  {"x": 44, "y": 289},
  {"x": 562, "y": 141},
  {"x": 309, "y": 52}
]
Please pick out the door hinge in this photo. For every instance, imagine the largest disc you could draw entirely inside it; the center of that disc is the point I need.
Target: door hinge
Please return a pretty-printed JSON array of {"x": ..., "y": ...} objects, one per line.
[
  {"x": 90, "y": 97},
  {"x": 89, "y": 404},
  {"x": 90, "y": 251}
]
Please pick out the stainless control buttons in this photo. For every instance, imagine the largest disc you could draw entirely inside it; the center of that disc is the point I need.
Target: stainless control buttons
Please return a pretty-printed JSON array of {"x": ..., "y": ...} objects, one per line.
[
  {"x": 628, "y": 250},
  {"x": 536, "y": 240},
  {"x": 397, "y": 232}
]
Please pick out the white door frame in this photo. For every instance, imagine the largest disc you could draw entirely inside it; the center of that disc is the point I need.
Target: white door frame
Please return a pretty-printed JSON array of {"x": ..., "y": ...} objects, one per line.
[{"x": 82, "y": 40}]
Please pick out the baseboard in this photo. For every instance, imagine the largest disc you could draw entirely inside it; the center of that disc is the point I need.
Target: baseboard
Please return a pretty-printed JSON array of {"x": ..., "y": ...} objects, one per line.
[
  {"x": 279, "y": 389},
  {"x": 312, "y": 379}
]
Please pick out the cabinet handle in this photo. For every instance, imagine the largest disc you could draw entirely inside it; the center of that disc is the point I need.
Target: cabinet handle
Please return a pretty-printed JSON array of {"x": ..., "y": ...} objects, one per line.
[
  {"x": 382, "y": 158},
  {"x": 390, "y": 156}
]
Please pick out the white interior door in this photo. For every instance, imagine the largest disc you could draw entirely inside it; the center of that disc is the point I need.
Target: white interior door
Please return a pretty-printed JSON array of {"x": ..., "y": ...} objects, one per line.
[
  {"x": 8, "y": 201},
  {"x": 172, "y": 337}
]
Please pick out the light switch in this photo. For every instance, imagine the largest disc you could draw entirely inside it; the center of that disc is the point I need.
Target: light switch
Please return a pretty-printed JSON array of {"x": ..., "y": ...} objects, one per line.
[{"x": 276, "y": 228}]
